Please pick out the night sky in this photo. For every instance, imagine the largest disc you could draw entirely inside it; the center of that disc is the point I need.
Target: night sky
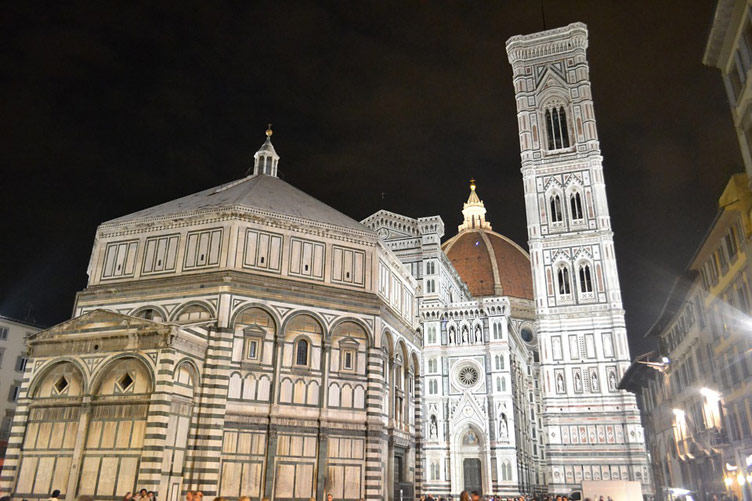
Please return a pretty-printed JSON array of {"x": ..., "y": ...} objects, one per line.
[{"x": 107, "y": 110}]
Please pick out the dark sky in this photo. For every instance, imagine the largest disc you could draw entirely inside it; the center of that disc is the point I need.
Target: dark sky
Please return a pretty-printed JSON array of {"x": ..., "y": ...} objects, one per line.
[{"x": 109, "y": 110}]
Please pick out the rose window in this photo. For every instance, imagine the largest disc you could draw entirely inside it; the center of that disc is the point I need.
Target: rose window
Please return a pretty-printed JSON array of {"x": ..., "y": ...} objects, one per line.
[{"x": 468, "y": 375}]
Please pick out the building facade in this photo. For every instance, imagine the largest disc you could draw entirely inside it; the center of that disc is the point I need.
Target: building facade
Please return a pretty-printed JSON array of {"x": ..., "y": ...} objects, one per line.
[
  {"x": 695, "y": 389},
  {"x": 13, "y": 359},
  {"x": 244, "y": 340},
  {"x": 729, "y": 48},
  {"x": 250, "y": 340},
  {"x": 481, "y": 398},
  {"x": 593, "y": 429}
]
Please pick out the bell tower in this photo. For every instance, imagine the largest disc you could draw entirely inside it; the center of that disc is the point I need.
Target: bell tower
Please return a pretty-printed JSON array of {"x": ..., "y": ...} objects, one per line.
[{"x": 592, "y": 429}]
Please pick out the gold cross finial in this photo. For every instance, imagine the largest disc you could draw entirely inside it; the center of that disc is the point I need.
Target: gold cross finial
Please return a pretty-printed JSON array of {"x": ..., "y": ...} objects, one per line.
[
  {"x": 269, "y": 131},
  {"x": 472, "y": 183}
]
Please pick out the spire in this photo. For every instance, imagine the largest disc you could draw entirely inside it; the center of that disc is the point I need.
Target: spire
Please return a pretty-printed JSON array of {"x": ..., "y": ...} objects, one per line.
[
  {"x": 474, "y": 212},
  {"x": 265, "y": 160}
]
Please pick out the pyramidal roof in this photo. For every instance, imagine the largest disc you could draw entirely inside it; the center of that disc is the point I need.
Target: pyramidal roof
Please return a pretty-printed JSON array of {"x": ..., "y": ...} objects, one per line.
[
  {"x": 259, "y": 193},
  {"x": 263, "y": 193}
]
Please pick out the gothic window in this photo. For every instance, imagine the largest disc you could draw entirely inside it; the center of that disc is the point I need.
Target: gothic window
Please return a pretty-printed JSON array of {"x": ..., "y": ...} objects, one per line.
[
  {"x": 301, "y": 353},
  {"x": 431, "y": 338},
  {"x": 434, "y": 471},
  {"x": 498, "y": 384},
  {"x": 433, "y": 387},
  {"x": 575, "y": 204},
  {"x": 556, "y": 126},
  {"x": 496, "y": 331},
  {"x": 499, "y": 362},
  {"x": 563, "y": 280},
  {"x": 586, "y": 281},
  {"x": 556, "y": 215}
]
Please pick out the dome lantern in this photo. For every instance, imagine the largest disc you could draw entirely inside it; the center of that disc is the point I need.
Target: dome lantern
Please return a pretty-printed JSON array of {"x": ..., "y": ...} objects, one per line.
[
  {"x": 474, "y": 212},
  {"x": 266, "y": 160}
]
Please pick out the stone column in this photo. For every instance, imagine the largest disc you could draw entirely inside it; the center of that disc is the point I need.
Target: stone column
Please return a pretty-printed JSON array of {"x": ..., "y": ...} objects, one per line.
[
  {"x": 321, "y": 463},
  {"x": 389, "y": 484},
  {"x": 205, "y": 458},
  {"x": 271, "y": 454},
  {"x": 153, "y": 462},
  {"x": 15, "y": 440},
  {"x": 419, "y": 459},
  {"x": 374, "y": 433},
  {"x": 78, "y": 449},
  {"x": 271, "y": 444},
  {"x": 487, "y": 490}
]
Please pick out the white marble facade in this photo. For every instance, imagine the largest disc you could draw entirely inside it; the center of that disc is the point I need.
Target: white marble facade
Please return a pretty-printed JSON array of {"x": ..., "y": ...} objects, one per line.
[{"x": 250, "y": 340}]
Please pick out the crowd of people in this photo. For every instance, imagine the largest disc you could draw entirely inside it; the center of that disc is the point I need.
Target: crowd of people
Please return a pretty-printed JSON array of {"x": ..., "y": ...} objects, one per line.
[
  {"x": 144, "y": 495},
  {"x": 476, "y": 496}
]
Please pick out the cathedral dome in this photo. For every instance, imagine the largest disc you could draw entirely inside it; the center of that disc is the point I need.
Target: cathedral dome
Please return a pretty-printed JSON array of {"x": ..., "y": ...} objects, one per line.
[{"x": 490, "y": 264}]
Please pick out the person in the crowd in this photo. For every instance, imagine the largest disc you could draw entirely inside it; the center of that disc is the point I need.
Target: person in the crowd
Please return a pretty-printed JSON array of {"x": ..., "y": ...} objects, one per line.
[
  {"x": 329, "y": 497},
  {"x": 55, "y": 495},
  {"x": 475, "y": 496},
  {"x": 244, "y": 498},
  {"x": 189, "y": 496},
  {"x": 128, "y": 496},
  {"x": 464, "y": 496}
]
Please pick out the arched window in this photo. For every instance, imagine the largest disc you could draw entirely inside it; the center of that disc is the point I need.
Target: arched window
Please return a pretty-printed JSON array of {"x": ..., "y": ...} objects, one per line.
[
  {"x": 503, "y": 384},
  {"x": 497, "y": 331},
  {"x": 193, "y": 313},
  {"x": 586, "y": 281},
  {"x": 575, "y": 204},
  {"x": 563, "y": 278},
  {"x": 149, "y": 314},
  {"x": 498, "y": 384},
  {"x": 301, "y": 353},
  {"x": 556, "y": 215},
  {"x": 556, "y": 126}
]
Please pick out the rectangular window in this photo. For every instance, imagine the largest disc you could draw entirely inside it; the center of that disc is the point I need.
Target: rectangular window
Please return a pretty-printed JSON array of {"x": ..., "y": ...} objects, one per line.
[
  {"x": 252, "y": 350},
  {"x": 735, "y": 77},
  {"x": 348, "y": 360},
  {"x": 15, "y": 389},
  {"x": 745, "y": 42},
  {"x": 2, "y": 352},
  {"x": 21, "y": 363},
  {"x": 3, "y": 333}
]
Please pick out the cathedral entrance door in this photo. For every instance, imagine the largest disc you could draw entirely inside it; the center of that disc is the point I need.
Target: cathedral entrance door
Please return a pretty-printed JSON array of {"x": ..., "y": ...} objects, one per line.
[{"x": 471, "y": 469}]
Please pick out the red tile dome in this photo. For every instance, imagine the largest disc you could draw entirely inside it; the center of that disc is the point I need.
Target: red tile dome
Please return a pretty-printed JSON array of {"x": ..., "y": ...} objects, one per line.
[{"x": 490, "y": 264}]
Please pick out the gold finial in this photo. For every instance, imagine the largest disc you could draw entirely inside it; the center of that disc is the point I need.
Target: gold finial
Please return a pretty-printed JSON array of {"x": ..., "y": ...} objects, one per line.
[
  {"x": 472, "y": 184},
  {"x": 269, "y": 131}
]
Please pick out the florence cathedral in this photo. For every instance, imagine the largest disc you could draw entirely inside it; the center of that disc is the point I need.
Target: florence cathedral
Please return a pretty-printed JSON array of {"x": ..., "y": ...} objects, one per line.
[{"x": 249, "y": 340}]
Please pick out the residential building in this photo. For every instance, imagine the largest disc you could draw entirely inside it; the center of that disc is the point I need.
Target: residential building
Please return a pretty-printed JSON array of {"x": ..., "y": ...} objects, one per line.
[
  {"x": 729, "y": 48},
  {"x": 13, "y": 359},
  {"x": 695, "y": 391}
]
